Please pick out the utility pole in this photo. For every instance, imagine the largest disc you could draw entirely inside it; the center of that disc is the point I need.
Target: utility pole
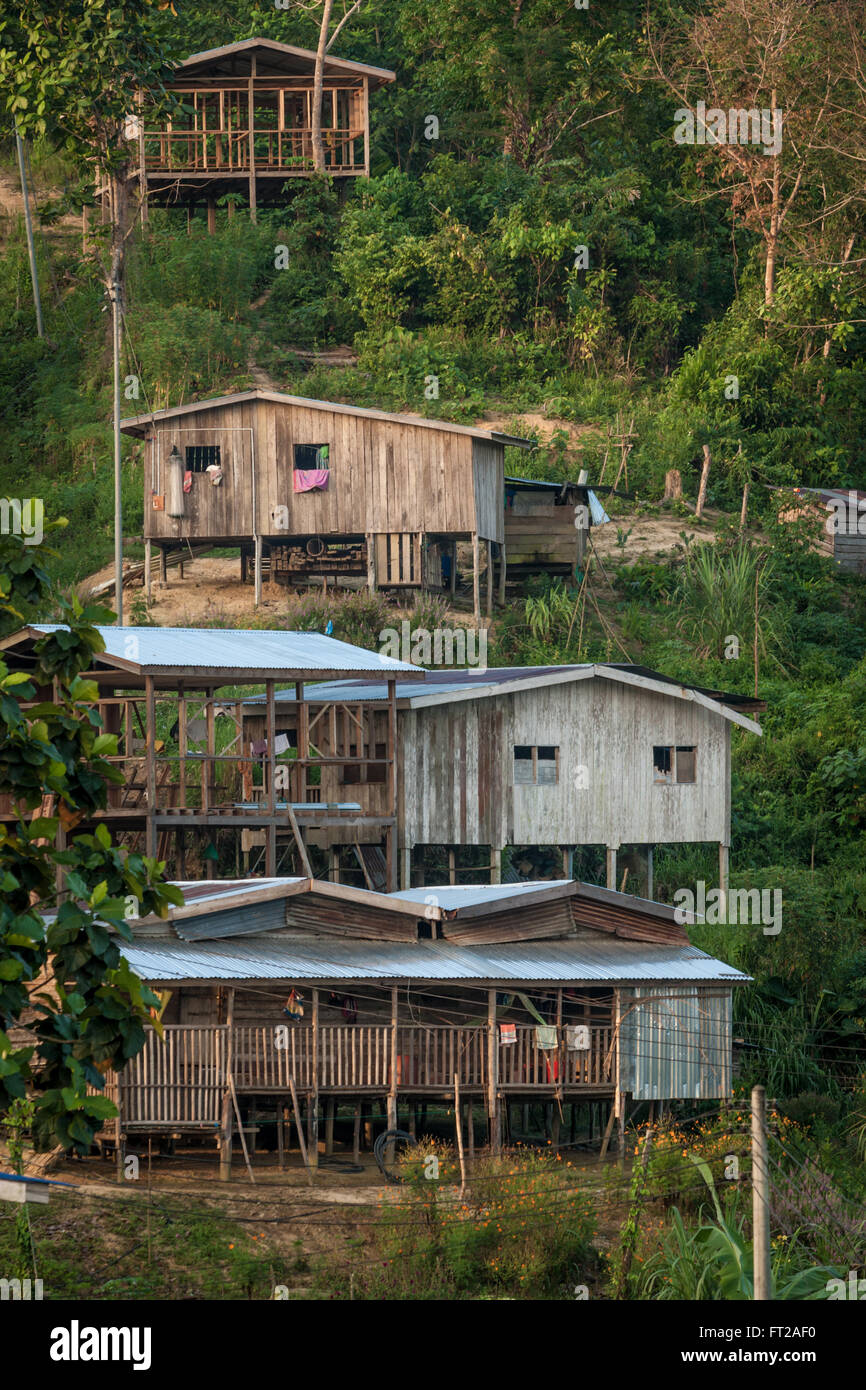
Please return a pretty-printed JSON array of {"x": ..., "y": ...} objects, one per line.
[
  {"x": 118, "y": 495},
  {"x": 28, "y": 223},
  {"x": 760, "y": 1197}
]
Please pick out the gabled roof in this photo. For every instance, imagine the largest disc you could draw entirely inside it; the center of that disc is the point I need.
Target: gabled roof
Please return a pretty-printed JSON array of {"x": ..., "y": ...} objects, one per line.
[
  {"x": 449, "y": 687},
  {"x": 233, "y": 59},
  {"x": 140, "y": 424},
  {"x": 185, "y": 651}
]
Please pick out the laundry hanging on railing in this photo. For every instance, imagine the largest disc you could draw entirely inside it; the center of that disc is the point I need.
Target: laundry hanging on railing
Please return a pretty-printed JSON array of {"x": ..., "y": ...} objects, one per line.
[
  {"x": 281, "y": 744},
  {"x": 577, "y": 1037},
  {"x": 294, "y": 1009},
  {"x": 546, "y": 1037},
  {"x": 507, "y": 1034}
]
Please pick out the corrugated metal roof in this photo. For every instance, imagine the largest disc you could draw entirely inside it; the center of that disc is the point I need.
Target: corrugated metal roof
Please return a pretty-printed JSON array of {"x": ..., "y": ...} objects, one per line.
[
  {"x": 213, "y": 649},
  {"x": 578, "y": 961},
  {"x": 468, "y": 894},
  {"x": 475, "y": 683},
  {"x": 139, "y": 423}
]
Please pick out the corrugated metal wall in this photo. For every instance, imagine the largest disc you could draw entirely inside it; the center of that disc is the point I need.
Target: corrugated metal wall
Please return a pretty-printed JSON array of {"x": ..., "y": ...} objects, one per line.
[{"x": 676, "y": 1043}]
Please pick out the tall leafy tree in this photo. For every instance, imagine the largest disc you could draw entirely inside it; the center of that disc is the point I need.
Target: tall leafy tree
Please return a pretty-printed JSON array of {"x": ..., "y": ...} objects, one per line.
[
  {"x": 71, "y": 69},
  {"x": 60, "y": 956}
]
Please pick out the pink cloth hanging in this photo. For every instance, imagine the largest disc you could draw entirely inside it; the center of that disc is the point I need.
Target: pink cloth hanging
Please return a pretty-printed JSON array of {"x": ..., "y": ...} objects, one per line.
[{"x": 307, "y": 479}]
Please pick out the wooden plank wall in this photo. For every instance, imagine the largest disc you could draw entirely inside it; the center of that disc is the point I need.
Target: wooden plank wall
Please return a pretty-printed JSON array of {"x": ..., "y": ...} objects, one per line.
[
  {"x": 385, "y": 477},
  {"x": 488, "y": 461},
  {"x": 456, "y": 784}
]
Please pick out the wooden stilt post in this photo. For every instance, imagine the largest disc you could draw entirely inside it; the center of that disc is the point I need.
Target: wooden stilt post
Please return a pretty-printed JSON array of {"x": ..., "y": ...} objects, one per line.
[
  {"x": 226, "y": 1112},
  {"x": 252, "y": 138},
  {"x": 394, "y": 1074},
  {"x": 257, "y": 572},
  {"x": 490, "y": 579},
  {"x": 148, "y": 577},
  {"x": 356, "y": 1134},
  {"x": 330, "y": 1116},
  {"x": 476, "y": 579},
  {"x": 150, "y": 758},
  {"x": 392, "y": 771},
  {"x": 495, "y": 865},
  {"x": 372, "y": 582},
  {"x": 406, "y": 866},
  {"x": 281, "y": 1138},
  {"x": 271, "y": 800},
  {"x": 503, "y": 572},
  {"x": 611, "y": 866},
  {"x": 492, "y": 1075},
  {"x": 300, "y": 1128},
  {"x": 314, "y": 1089}
]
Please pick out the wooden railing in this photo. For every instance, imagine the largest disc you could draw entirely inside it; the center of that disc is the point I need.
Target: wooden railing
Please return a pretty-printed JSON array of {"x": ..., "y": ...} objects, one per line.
[
  {"x": 176, "y": 1080},
  {"x": 221, "y": 152},
  {"x": 182, "y": 1079}
]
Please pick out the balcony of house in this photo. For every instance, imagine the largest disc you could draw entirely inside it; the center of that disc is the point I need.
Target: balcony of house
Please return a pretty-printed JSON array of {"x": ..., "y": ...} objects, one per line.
[
  {"x": 180, "y": 1079},
  {"x": 212, "y": 136}
]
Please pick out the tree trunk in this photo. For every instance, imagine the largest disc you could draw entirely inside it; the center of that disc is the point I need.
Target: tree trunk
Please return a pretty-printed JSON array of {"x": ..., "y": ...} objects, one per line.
[
  {"x": 318, "y": 89},
  {"x": 772, "y": 236},
  {"x": 702, "y": 490}
]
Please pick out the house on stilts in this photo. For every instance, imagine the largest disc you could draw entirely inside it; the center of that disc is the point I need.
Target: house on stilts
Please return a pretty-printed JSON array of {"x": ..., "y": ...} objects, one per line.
[{"x": 297, "y": 1000}]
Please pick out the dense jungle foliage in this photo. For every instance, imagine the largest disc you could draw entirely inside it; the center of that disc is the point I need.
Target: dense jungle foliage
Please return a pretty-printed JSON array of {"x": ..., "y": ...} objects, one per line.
[{"x": 696, "y": 317}]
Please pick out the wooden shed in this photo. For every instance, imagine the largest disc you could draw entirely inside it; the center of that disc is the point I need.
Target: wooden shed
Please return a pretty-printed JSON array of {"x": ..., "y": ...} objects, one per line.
[
  {"x": 842, "y": 513},
  {"x": 285, "y": 993},
  {"x": 547, "y": 525},
  {"x": 596, "y": 754},
  {"x": 245, "y": 124},
  {"x": 312, "y": 488}
]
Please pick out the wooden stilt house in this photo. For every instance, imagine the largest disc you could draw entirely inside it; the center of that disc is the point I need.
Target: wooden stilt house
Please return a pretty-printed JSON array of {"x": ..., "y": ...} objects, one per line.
[
  {"x": 314, "y": 490},
  {"x": 299, "y": 993},
  {"x": 606, "y": 755}
]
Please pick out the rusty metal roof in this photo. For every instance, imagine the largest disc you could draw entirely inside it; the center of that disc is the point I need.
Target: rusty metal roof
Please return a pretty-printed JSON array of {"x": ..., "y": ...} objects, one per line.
[{"x": 578, "y": 961}]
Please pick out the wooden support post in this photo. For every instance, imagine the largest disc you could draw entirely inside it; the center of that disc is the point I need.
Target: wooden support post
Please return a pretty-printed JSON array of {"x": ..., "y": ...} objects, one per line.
[
  {"x": 163, "y": 565},
  {"x": 366, "y": 109},
  {"x": 476, "y": 579},
  {"x": 611, "y": 866},
  {"x": 300, "y": 1128},
  {"x": 490, "y": 579},
  {"x": 209, "y": 778},
  {"x": 226, "y": 1112},
  {"x": 394, "y": 1074},
  {"x": 330, "y": 1115},
  {"x": 148, "y": 578},
  {"x": 356, "y": 1134},
  {"x": 503, "y": 572},
  {"x": 452, "y": 870},
  {"x": 470, "y": 1130},
  {"x": 150, "y": 758},
  {"x": 493, "y": 1115},
  {"x": 453, "y": 568},
  {"x": 271, "y": 799},
  {"x": 334, "y": 864},
  {"x": 760, "y": 1197},
  {"x": 650, "y": 886},
  {"x": 119, "y": 1146},
  {"x": 252, "y": 138},
  {"x": 495, "y": 865},
  {"x": 257, "y": 572},
  {"x": 372, "y": 581},
  {"x": 567, "y": 861},
  {"x": 281, "y": 1138},
  {"x": 608, "y": 1130},
  {"x": 392, "y": 783},
  {"x": 458, "y": 1128},
  {"x": 406, "y": 866},
  {"x": 211, "y": 216},
  {"x": 619, "y": 1100},
  {"x": 314, "y": 1089}
]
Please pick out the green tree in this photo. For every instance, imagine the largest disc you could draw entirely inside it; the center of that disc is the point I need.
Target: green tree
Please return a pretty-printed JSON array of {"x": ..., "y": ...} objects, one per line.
[{"x": 59, "y": 950}]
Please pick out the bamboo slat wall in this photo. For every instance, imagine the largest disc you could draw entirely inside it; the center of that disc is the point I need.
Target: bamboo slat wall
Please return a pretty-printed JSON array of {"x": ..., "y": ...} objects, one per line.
[{"x": 182, "y": 1080}]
